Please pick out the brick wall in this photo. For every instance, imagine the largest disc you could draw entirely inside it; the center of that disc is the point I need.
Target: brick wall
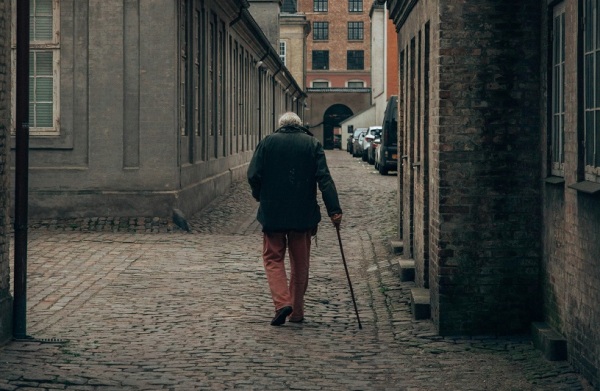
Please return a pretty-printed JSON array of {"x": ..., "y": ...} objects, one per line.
[
  {"x": 5, "y": 298},
  {"x": 571, "y": 221},
  {"x": 484, "y": 222},
  {"x": 338, "y": 44},
  {"x": 489, "y": 249},
  {"x": 392, "y": 59}
]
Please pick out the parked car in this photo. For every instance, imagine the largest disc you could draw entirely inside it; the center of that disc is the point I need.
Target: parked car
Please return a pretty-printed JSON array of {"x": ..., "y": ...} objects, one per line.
[
  {"x": 371, "y": 133},
  {"x": 373, "y": 149},
  {"x": 349, "y": 141},
  {"x": 359, "y": 134},
  {"x": 386, "y": 156},
  {"x": 337, "y": 141},
  {"x": 373, "y": 145}
]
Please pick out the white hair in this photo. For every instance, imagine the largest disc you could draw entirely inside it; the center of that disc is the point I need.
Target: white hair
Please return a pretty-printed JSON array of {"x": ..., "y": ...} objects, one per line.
[{"x": 289, "y": 118}]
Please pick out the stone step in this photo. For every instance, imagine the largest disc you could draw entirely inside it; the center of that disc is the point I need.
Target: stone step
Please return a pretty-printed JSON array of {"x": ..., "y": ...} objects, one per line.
[
  {"x": 407, "y": 269},
  {"x": 549, "y": 341},
  {"x": 397, "y": 246},
  {"x": 420, "y": 303}
]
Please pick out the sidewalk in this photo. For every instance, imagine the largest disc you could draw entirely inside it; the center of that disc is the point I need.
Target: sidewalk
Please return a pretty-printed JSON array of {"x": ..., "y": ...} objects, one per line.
[{"x": 142, "y": 305}]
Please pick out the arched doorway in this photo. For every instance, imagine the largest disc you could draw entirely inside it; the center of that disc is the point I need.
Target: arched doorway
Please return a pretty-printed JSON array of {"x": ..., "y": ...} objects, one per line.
[{"x": 332, "y": 118}]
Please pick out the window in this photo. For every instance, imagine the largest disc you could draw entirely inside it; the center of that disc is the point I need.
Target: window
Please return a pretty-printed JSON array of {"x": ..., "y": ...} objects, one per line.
[
  {"x": 356, "y": 31},
  {"x": 320, "y": 6},
  {"x": 355, "y": 5},
  {"x": 283, "y": 52},
  {"x": 289, "y": 6},
  {"x": 356, "y": 84},
  {"x": 356, "y": 59},
  {"x": 558, "y": 91},
  {"x": 320, "y": 31},
  {"x": 320, "y": 84},
  {"x": 591, "y": 81},
  {"x": 44, "y": 59},
  {"x": 320, "y": 59},
  {"x": 183, "y": 48}
]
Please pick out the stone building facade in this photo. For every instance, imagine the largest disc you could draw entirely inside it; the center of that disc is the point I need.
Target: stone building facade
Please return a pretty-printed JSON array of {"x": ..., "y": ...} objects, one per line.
[
  {"x": 294, "y": 29},
  {"x": 499, "y": 122},
  {"x": 143, "y": 119},
  {"x": 6, "y": 306}
]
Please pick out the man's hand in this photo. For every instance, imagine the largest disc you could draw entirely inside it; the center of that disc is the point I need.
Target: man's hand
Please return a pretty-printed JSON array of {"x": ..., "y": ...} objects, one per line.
[{"x": 336, "y": 219}]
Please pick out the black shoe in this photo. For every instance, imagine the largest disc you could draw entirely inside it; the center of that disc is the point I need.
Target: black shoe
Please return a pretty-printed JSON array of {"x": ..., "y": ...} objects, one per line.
[
  {"x": 280, "y": 316},
  {"x": 301, "y": 320}
]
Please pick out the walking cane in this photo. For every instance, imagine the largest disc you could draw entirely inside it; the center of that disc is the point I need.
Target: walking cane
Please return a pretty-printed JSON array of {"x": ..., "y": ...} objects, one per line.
[{"x": 337, "y": 228}]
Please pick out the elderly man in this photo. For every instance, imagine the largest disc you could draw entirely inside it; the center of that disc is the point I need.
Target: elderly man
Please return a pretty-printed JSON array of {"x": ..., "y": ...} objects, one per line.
[{"x": 284, "y": 173}]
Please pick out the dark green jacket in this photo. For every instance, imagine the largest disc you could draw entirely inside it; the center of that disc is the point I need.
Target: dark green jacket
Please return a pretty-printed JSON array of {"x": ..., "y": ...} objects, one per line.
[{"x": 284, "y": 173}]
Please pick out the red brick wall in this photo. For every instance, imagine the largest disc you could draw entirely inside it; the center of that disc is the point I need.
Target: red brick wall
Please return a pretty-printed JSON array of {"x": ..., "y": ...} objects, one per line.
[
  {"x": 338, "y": 80},
  {"x": 338, "y": 18},
  {"x": 392, "y": 60}
]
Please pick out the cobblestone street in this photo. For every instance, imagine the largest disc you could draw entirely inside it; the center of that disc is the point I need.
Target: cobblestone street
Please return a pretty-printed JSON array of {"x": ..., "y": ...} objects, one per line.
[{"x": 143, "y": 305}]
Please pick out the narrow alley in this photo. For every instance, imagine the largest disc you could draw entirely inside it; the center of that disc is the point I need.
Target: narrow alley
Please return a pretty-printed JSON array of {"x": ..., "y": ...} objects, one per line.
[{"x": 118, "y": 308}]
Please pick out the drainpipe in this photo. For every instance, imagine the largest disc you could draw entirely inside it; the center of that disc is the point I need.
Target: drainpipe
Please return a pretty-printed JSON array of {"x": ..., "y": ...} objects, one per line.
[{"x": 21, "y": 172}]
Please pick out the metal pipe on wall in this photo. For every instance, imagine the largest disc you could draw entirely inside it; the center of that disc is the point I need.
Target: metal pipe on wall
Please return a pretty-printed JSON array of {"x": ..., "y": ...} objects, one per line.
[{"x": 21, "y": 172}]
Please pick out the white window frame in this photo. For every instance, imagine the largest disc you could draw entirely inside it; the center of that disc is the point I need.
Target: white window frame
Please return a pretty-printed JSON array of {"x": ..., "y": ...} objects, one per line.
[
  {"x": 557, "y": 124},
  {"x": 355, "y": 81},
  {"x": 320, "y": 81},
  {"x": 283, "y": 51},
  {"x": 52, "y": 45}
]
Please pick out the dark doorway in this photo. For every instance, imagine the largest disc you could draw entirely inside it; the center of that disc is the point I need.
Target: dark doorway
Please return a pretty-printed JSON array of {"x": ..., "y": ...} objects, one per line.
[{"x": 332, "y": 118}]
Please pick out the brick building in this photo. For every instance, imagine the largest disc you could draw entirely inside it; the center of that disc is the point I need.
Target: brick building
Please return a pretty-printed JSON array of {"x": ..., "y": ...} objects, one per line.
[
  {"x": 338, "y": 62},
  {"x": 499, "y": 126},
  {"x": 6, "y": 307}
]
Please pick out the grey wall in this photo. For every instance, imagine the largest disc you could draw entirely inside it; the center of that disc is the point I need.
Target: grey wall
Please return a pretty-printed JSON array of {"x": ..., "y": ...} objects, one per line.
[
  {"x": 266, "y": 14},
  {"x": 124, "y": 79},
  {"x": 118, "y": 81}
]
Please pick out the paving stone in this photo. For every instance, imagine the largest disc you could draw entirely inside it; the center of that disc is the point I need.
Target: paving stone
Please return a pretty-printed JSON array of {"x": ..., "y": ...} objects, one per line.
[{"x": 145, "y": 305}]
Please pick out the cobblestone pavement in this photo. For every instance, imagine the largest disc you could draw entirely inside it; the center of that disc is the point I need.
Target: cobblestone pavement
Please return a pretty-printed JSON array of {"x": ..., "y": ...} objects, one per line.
[{"x": 137, "y": 304}]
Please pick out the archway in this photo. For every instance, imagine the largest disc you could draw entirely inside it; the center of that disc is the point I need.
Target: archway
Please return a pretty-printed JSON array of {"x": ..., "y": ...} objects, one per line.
[{"x": 332, "y": 118}]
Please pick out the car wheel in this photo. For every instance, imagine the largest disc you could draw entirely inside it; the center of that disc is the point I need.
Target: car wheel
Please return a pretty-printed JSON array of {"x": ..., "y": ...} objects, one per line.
[
  {"x": 364, "y": 157},
  {"x": 383, "y": 170}
]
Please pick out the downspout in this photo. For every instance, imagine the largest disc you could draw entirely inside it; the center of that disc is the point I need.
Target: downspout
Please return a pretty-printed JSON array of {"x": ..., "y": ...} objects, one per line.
[
  {"x": 260, "y": 65},
  {"x": 21, "y": 173},
  {"x": 260, "y": 103}
]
